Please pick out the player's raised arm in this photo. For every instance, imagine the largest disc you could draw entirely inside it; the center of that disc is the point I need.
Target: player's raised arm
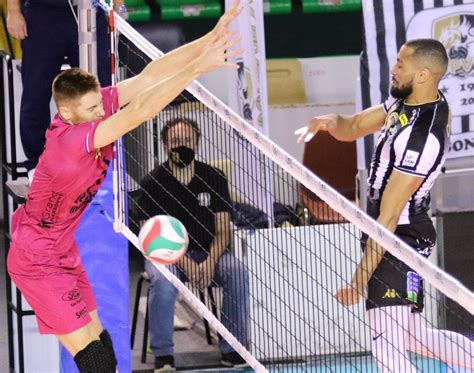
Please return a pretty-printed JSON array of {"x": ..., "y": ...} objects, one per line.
[
  {"x": 345, "y": 127},
  {"x": 153, "y": 99},
  {"x": 164, "y": 67}
]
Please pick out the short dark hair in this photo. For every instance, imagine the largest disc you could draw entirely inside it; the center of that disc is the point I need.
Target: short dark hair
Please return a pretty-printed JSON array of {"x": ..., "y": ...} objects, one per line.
[
  {"x": 173, "y": 122},
  {"x": 430, "y": 49},
  {"x": 72, "y": 84}
]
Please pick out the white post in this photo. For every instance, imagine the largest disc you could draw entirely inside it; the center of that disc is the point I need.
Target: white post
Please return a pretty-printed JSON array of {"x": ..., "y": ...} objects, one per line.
[{"x": 87, "y": 36}]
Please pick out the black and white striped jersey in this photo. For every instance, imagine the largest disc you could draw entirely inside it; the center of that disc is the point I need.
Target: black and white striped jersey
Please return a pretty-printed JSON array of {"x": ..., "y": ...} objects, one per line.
[{"x": 414, "y": 140}]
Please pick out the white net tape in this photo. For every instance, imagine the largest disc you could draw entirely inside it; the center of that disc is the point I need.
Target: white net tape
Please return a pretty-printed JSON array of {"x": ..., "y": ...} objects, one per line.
[{"x": 434, "y": 275}]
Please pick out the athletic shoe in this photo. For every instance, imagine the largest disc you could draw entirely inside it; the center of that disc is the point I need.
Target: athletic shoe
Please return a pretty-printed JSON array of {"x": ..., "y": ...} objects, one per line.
[
  {"x": 234, "y": 360},
  {"x": 164, "y": 363}
]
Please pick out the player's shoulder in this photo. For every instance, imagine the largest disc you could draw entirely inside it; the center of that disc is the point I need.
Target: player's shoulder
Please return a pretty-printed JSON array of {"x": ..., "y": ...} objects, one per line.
[{"x": 435, "y": 114}]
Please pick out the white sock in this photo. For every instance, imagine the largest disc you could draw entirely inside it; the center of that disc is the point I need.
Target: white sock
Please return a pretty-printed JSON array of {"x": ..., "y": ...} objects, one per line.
[{"x": 389, "y": 334}]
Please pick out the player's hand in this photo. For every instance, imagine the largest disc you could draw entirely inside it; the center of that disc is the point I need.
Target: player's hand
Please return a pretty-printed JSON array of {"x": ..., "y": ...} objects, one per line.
[
  {"x": 16, "y": 25},
  {"x": 222, "y": 26},
  {"x": 349, "y": 295},
  {"x": 321, "y": 123},
  {"x": 217, "y": 52},
  {"x": 207, "y": 268}
]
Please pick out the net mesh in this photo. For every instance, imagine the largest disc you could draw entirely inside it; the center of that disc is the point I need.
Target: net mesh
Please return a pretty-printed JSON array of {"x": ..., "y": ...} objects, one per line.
[{"x": 295, "y": 259}]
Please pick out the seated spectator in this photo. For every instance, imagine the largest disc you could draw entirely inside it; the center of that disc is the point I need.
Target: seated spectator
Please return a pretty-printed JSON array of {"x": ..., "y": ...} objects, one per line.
[{"x": 196, "y": 194}]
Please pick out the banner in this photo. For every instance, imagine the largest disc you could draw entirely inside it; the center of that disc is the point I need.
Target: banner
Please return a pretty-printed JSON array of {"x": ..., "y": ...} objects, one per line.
[
  {"x": 248, "y": 85},
  {"x": 249, "y": 98},
  {"x": 388, "y": 24}
]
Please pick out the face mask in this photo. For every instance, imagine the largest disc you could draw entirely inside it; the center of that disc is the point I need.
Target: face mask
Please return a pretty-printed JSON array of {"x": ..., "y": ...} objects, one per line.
[{"x": 181, "y": 156}]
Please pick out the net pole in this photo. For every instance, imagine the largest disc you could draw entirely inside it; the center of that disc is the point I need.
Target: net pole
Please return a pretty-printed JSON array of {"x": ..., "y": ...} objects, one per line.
[
  {"x": 197, "y": 305},
  {"x": 87, "y": 36},
  {"x": 447, "y": 284},
  {"x": 116, "y": 169}
]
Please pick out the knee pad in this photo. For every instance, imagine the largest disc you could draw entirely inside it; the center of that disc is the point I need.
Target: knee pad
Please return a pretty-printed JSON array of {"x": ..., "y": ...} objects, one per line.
[
  {"x": 108, "y": 344},
  {"x": 95, "y": 359}
]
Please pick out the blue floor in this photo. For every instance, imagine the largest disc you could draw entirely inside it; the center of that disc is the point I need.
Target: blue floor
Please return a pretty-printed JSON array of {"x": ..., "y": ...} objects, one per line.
[{"x": 354, "y": 364}]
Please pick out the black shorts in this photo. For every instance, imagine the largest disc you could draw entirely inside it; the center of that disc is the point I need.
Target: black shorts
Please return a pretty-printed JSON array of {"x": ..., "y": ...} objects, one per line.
[{"x": 393, "y": 282}]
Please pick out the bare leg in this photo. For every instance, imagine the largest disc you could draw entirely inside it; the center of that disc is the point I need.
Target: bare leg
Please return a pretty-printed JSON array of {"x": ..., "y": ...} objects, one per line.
[
  {"x": 79, "y": 339},
  {"x": 96, "y": 324}
]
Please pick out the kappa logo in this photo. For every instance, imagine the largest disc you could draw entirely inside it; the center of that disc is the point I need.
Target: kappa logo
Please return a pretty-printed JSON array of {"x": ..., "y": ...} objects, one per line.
[
  {"x": 391, "y": 294},
  {"x": 411, "y": 158}
]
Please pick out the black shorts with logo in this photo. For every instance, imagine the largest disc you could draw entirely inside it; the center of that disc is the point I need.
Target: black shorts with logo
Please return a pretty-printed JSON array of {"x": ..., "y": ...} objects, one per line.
[{"x": 390, "y": 284}]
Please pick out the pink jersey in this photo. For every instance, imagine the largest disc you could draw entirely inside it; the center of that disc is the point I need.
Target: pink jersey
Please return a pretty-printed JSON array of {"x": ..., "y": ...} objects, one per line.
[{"x": 69, "y": 174}]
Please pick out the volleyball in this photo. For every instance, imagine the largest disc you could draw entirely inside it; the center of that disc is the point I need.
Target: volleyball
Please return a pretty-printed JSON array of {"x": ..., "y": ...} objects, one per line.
[{"x": 163, "y": 239}]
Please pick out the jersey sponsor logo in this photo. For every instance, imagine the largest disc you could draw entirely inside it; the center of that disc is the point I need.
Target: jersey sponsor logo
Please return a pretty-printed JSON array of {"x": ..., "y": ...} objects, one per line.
[
  {"x": 392, "y": 119},
  {"x": 391, "y": 294},
  {"x": 71, "y": 295},
  {"x": 204, "y": 199},
  {"x": 49, "y": 215},
  {"x": 81, "y": 313},
  {"x": 403, "y": 120},
  {"x": 410, "y": 158},
  {"x": 83, "y": 200}
]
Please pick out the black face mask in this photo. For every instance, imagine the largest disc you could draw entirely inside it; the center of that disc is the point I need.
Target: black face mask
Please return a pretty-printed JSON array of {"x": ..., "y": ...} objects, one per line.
[{"x": 182, "y": 156}]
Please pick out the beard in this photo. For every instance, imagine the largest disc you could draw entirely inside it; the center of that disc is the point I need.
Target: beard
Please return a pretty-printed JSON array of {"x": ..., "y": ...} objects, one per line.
[{"x": 402, "y": 92}]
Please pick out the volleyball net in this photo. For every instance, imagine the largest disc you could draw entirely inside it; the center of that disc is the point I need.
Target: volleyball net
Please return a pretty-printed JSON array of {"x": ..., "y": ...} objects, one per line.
[{"x": 297, "y": 238}]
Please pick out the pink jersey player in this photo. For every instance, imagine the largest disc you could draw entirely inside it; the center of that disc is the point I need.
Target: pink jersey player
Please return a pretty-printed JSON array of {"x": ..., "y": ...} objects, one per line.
[
  {"x": 43, "y": 259},
  {"x": 69, "y": 174}
]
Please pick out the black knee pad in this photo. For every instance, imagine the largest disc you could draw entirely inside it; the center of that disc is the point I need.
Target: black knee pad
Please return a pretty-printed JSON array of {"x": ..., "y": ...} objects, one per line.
[
  {"x": 95, "y": 359},
  {"x": 108, "y": 344}
]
